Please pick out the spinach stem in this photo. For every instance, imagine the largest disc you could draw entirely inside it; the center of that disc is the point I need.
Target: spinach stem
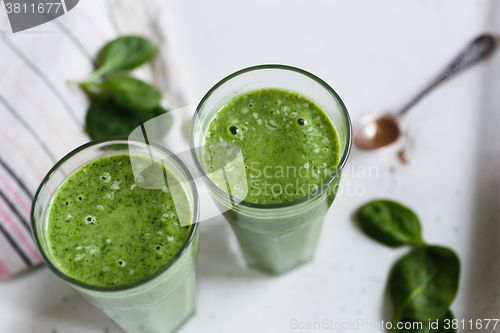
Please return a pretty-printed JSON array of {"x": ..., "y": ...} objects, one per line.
[
  {"x": 420, "y": 243},
  {"x": 100, "y": 72}
]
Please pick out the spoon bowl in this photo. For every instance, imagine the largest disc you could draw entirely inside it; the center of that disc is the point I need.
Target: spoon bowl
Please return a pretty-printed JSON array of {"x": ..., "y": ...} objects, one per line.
[{"x": 377, "y": 132}]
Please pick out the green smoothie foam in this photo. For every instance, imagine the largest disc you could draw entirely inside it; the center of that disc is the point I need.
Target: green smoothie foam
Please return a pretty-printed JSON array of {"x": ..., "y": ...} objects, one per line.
[
  {"x": 105, "y": 230},
  {"x": 289, "y": 145}
]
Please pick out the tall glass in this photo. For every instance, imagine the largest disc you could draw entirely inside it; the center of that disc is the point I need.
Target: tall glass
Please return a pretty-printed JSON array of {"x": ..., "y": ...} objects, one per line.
[
  {"x": 274, "y": 238},
  {"x": 161, "y": 302}
]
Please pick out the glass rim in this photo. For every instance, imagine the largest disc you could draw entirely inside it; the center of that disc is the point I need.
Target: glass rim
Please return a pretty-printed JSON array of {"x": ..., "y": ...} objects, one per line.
[
  {"x": 161, "y": 270},
  {"x": 326, "y": 184}
]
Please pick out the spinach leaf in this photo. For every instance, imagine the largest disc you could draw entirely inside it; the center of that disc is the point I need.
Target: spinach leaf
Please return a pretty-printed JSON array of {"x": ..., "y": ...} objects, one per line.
[
  {"x": 423, "y": 284},
  {"x": 123, "y": 53},
  {"x": 105, "y": 118},
  {"x": 390, "y": 223},
  {"x": 425, "y": 325},
  {"x": 132, "y": 93}
]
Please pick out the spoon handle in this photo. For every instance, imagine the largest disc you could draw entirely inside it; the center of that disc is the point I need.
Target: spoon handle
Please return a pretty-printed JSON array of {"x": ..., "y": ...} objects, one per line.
[{"x": 477, "y": 50}]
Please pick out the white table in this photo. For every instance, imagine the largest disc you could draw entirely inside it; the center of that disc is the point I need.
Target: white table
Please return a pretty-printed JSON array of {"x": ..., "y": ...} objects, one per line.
[{"x": 376, "y": 55}]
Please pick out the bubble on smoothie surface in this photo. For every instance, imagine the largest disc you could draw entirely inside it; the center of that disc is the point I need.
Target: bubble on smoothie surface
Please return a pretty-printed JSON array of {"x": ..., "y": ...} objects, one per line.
[
  {"x": 122, "y": 263},
  {"x": 233, "y": 130},
  {"x": 106, "y": 177},
  {"x": 89, "y": 219}
]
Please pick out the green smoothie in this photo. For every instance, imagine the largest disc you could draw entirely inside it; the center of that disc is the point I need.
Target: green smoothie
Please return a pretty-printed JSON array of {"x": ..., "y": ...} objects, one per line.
[
  {"x": 289, "y": 145},
  {"x": 106, "y": 230},
  {"x": 290, "y": 149}
]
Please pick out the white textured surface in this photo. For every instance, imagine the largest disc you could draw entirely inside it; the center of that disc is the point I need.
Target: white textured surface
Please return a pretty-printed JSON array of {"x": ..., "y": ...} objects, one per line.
[{"x": 375, "y": 55}]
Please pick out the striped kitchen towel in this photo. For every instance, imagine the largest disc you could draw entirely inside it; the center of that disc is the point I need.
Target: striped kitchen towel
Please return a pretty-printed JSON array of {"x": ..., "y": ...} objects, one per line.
[{"x": 42, "y": 116}]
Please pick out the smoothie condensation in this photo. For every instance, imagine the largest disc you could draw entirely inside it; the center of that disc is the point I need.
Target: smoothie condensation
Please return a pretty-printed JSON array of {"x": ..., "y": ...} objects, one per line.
[
  {"x": 292, "y": 134},
  {"x": 116, "y": 237}
]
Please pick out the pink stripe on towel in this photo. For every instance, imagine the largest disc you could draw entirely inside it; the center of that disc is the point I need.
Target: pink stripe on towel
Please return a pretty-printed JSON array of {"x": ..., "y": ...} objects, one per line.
[
  {"x": 19, "y": 199},
  {"x": 19, "y": 234},
  {"x": 4, "y": 271},
  {"x": 26, "y": 156},
  {"x": 36, "y": 106}
]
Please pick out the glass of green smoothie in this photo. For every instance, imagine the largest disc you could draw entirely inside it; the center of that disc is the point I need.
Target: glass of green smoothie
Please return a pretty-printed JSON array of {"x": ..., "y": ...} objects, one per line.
[
  {"x": 270, "y": 143},
  {"x": 116, "y": 219}
]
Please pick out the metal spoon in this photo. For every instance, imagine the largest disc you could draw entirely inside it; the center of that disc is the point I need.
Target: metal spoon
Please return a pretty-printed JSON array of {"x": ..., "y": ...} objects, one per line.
[{"x": 378, "y": 131}]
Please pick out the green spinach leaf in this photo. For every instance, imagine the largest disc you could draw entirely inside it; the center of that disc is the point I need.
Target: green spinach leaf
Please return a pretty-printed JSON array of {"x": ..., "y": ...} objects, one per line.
[
  {"x": 423, "y": 284},
  {"x": 123, "y": 53},
  {"x": 131, "y": 93},
  {"x": 105, "y": 118},
  {"x": 390, "y": 223}
]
